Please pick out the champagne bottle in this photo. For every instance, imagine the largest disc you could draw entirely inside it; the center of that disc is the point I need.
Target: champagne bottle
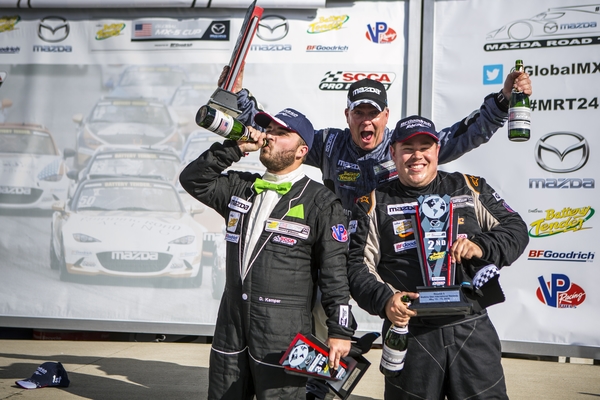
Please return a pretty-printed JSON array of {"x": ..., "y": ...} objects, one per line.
[
  {"x": 394, "y": 351},
  {"x": 222, "y": 124},
  {"x": 519, "y": 113}
]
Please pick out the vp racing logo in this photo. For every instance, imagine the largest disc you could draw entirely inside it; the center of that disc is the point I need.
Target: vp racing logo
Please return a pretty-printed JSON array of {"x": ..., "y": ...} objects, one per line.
[
  {"x": 53, "y": 29},
  {"x": 559, "y": 292},
  {"x": 576, "y": 25},
  {"x": 341, "y": 80}
]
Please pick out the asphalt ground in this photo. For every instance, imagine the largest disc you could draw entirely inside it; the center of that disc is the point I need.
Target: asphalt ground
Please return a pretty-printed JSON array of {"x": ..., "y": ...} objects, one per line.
[{"x": 165, "y": 370}]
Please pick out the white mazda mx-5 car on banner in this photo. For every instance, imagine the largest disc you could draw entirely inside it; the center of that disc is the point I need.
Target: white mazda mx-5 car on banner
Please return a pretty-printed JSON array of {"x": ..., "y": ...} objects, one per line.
[
  {"x": 127, "y": 228},
  {"x": 32, "y": 170}
]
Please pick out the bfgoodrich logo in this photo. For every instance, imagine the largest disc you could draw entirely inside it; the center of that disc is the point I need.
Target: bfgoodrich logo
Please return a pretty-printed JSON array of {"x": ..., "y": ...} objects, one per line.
[{"x": 575, "y": 25}]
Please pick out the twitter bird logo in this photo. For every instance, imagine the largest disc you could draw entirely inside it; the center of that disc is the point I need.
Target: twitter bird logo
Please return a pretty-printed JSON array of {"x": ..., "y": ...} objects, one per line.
[{"x": 492, "y": 74}]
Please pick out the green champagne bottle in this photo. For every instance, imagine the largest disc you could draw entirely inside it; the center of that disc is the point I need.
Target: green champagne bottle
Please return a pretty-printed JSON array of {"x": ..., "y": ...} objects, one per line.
[
  {"x": 519, "y": 113},
  {"x": 394, "y": 351},
  {"x": 222, "y": 124}
]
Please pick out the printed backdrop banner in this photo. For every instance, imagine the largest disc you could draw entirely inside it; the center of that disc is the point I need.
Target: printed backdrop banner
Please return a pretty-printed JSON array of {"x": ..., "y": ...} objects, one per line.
[
  {"x": 552, "y": 289},
  {"x": 97, "y": 122}
]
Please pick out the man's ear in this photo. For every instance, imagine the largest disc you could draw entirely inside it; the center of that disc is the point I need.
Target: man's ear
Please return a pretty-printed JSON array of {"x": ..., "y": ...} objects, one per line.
[{"x": 301, "y": 151}]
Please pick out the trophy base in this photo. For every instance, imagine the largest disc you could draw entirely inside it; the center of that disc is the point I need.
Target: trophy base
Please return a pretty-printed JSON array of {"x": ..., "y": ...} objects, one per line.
[
  {"x": 440, "y": 301},
  {"x": 225, "y": 101}
]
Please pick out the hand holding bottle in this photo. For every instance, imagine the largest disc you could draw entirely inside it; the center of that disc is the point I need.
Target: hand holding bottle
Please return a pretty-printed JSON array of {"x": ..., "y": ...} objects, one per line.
[
  {"x": 518, "y": 81},
  {"x": 255, "y": 141},
  {"x": 397, "y": 309}
]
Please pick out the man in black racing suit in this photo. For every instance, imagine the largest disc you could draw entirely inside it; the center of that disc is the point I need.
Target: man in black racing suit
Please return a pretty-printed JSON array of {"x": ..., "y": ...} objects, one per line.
[
  {"x": 285, "y": 233},
  {"x": 456, "y": 356}
]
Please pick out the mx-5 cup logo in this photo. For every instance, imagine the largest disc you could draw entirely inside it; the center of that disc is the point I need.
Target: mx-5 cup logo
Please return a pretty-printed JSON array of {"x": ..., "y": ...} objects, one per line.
[
  {"x": 562, "y": 152},
  {"x": 272, "y": 28},
  {"x": 575, "y": 25},
  {"x": 53, "y": 29}
]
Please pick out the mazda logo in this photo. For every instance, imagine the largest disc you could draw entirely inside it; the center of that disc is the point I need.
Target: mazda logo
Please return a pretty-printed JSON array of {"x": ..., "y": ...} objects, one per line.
[
  {"x": 53, "y": 29},
  {"x": 272, "y": 28},
  {"x": 218, "y": 29},
  {"x": 575, "y": 149}
]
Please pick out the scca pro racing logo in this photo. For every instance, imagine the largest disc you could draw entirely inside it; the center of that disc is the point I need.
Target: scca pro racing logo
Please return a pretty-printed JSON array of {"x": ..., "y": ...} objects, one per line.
[
  {"x": 341, "y": 80},
  {"x": 560, "y": 292}
]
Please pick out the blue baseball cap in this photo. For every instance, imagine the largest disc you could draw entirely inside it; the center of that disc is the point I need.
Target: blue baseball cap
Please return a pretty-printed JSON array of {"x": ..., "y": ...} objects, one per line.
[
  {"x": 47, "y": 374},
  {"x": 290, "y": 119},
  {"x": 414, "y": 125}
]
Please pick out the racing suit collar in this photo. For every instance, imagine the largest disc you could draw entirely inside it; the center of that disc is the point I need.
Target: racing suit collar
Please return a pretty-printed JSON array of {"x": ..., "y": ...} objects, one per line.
[
  {"x": 416, "y": 192},
  {"x": 377, "y": 153}
]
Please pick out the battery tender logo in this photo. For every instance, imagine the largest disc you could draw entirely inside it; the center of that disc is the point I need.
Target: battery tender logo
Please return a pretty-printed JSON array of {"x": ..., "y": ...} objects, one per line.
[
  {"x": 566, "y": 220},
  {"x": 341, "y": 80},
  {"x": 576, "y": 25},
  {"x": 559, "y": 292}
]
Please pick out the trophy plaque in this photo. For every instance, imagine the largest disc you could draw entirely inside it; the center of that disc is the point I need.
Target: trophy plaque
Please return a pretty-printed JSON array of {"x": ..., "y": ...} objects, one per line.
[
  {"x": 308, "y": 356},
  {"x": 434, "y": 236},
  {"x": 223, "y": 99}
]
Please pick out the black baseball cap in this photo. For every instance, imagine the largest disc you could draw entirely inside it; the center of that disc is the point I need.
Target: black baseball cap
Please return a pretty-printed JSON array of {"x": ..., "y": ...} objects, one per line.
[
  {"x": 414, "y": 125},
  {"x": 367, "y": 91},
  {"x": 289, "y": 119},
  {"x": 47, "y": 374}
]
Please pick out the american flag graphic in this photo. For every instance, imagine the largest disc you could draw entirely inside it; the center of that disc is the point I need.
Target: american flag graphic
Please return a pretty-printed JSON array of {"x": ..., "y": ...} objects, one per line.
[{"x": 142, "y": 30}]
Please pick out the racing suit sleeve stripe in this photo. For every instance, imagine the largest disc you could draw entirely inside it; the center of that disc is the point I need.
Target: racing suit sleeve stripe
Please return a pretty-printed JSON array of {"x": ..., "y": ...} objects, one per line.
[
  {"x": 502, "y": 242},
  {"x": 366, "y": 286}
]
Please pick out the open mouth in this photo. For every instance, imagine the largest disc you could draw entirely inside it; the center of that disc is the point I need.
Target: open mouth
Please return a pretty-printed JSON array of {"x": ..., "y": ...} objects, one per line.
[{"x": 366, "y": 136}]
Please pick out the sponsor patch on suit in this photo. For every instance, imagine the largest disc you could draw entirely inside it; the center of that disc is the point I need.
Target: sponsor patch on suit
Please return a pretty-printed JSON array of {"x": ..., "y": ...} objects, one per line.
[
  {"x": 286, "y": 241},
  {"x": 232, "y": 222},
  {"x": 230, "y": 237},
  {"x": 288, "y": 228},
  {"x": 406, "y": 208},
  {"x": 239, "y": 204}
]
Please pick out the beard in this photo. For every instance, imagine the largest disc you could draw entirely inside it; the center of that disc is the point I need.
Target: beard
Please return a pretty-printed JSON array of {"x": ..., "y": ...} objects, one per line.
[{"x": 277, "y": 161}]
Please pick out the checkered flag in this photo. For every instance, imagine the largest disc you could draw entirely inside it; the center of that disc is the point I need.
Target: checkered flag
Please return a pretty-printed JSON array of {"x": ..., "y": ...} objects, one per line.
[
  {"x": 332, "y": 76},
  {"x": 484, "y": 275}
]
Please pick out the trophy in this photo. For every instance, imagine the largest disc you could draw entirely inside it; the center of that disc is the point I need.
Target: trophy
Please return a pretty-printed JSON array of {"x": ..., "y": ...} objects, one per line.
[
  {"x": 434, "y": 236},
  {"x": 223, "y": 99}
]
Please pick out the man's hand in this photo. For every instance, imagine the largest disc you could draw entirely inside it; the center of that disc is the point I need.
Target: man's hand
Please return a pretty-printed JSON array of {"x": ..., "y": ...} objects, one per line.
[
  {"x": 338, "y": 348},
  {"x": 519, "y": 81},
  {"x": 397, "y": 311},
  {"x": 464, "y": 248},
  {"x": 258, "y": 138},
  {"x": 237, "y": 86}
]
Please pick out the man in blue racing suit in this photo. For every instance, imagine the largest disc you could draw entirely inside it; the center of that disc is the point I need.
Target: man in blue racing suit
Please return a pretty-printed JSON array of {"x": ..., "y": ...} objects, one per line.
[{"x": 356, "y": 160}]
